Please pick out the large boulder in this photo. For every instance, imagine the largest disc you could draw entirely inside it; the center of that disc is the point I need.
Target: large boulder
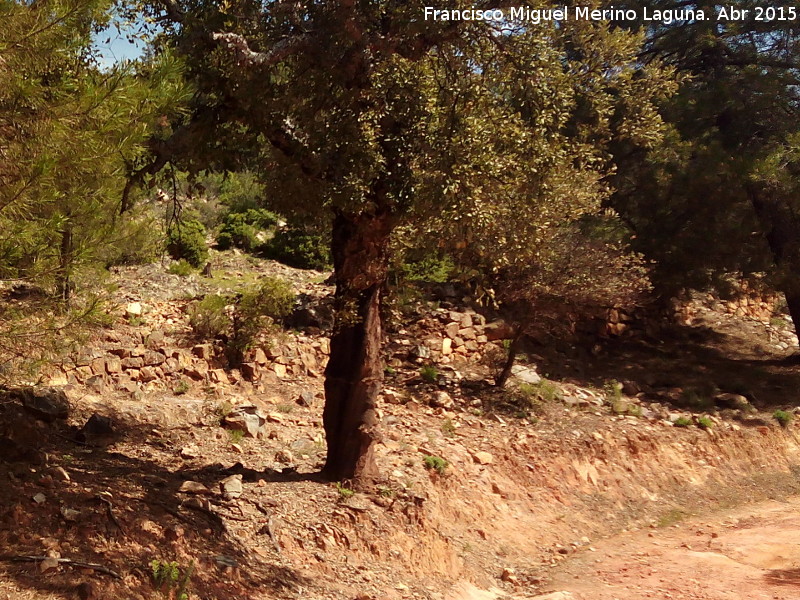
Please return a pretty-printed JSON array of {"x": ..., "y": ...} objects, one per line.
[{"x": 45, "y": 403}]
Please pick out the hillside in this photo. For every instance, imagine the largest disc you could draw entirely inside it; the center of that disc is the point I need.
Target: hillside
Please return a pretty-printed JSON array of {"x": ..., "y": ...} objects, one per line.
[{"x": 145, "y": 448}]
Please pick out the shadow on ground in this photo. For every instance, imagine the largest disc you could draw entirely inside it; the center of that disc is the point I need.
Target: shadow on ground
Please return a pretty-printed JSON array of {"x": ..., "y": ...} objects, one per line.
[
  {"x": 702, "y": 360},
  {"x": 123, "y": 510}
]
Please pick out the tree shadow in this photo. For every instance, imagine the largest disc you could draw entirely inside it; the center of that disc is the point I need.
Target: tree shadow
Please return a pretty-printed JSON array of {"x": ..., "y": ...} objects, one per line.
[
  {"x": 124, "y": 510},
  {"x": 699, "y": 360}
]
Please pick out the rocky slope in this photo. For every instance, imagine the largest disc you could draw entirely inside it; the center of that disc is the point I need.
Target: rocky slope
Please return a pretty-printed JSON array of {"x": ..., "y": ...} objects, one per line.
[{"x": 166, "y": 455}]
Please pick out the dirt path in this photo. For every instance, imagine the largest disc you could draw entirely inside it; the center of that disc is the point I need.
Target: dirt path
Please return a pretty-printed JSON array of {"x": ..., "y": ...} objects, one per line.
[{"x": 749, "y": 553}]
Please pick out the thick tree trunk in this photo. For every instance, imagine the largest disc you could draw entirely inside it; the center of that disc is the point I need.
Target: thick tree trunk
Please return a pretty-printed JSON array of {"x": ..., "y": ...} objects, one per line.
[
  {"x": 513, "y": 350},
  {"x": 782, "y": 231},
  {"x": 354, "y": 373}
]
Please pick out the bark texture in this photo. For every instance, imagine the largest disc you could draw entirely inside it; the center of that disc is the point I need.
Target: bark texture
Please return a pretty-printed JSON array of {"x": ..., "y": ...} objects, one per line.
[{"x": 354, "y": 373}]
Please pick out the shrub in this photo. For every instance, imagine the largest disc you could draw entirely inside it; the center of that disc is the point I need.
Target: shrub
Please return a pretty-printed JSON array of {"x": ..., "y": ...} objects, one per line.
[
  {"x": 435, "y": 463},
  {"x": 170, "y": 579},
  {"x": 139, "y": 241},
  {"x": 187, "y": 240},
  {"x": 682, "y": 422},
  {"x": 429, "y": 374},
  {"x": 273, "y": 298},
  {"x": 182, "y": 268},
  {"x": 705, "y": 423},
  {"x": 783, "y": 417},
  {"x": 344, "y": 491},
  {"x": 208, "y": 318},
  {"x": 258, "y": 308},
  {"x": 298, "y": 248},
  {"x": 241, "y": 229}
]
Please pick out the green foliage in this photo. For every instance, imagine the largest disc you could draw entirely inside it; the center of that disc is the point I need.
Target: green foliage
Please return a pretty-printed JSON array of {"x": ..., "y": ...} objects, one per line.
[
  {"x": 235, "y": 435},
  {"x": 208, "y": 318},
  {"x": 258, "y": 309},
  {"x": 240, "y": 229},
  {"x": 429, "y": 374},
  {"x": 240, "y": 320},
  {"x": 682, "y": 422},
  {"x": 69, "y": 134},
  {"x": 170, "y": 579},
  {"x": 783, "y": 417},
  {"x": 435, "y": 463},
  {"x": 187, "y": 240},
  {"x": 345, "y": 493},
  {"x": 705, "y": 423},
  {"x": 139, "y": 239},
  {"x": 272, "y": 298},
  {"x": 181, "y": 387},
  {"x": 613, "y": 392},
  {"x": 448, "y": 427},
  {"x": 182, "y": 268},
  {"x": 385, "y": 491},
  {"x": 298, "y": 248}
]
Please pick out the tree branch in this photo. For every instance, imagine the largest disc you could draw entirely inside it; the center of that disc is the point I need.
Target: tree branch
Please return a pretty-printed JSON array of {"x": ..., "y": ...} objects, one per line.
[{"x": 241, "y": 49}]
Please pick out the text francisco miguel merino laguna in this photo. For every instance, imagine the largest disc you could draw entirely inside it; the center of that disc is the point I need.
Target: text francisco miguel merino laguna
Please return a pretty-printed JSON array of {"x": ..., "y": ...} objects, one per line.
[{"x": 577, "y": 13}]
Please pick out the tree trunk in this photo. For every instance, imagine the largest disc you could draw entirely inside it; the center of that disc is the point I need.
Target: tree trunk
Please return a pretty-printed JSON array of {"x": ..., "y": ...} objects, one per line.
[
  {"x": 354, "y": 373},
  {"x": 65, "y": 263},
  {"x": 781, "y": 224},
  {"x": 513, "y": 350}
]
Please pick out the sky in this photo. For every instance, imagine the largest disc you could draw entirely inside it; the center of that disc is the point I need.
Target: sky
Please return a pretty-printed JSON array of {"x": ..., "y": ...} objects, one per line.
[{"x": 118, "y": 48}]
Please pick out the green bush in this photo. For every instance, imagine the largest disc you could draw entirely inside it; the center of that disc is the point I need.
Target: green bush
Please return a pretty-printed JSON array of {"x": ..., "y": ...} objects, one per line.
[
  {"x": 271, "y": 298},
  {"x": 241, "y": 229},
  {"x": 207, "y": 317},
  {"x": 182, "y": 268},
  {"x": 298, "y": 248},
  {"x": 429, "y": 374},
  {"x": 783, "y": 417},
  {"x": 682, "y": 422},
  {"x": 435, "y": 463},
  {"x": 187, "y": 240},
  {"x": 705, "y": 423},
  {"x": 138, "y": 241},
  {"x": 258, "y": 308}
]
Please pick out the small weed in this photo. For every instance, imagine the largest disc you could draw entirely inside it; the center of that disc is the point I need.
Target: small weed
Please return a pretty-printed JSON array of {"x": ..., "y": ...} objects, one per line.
[
  {"x": 783, "y": 417},
  {"x": 181, "y": 387},
  {"x": 705, "y": 423},
  {"x": 671, "y": 517},
  {"x": 387, "y": 370},
  {"x": 223, "y": 410},
  {"x": 613, "y": 392},
  {"x": 182, "y": 268},
  {"x": 435, "y": 463},
  {"x": 135, "y": 321},
  {"x": 777, "y": 322},
  {"x": 284, "y": 408},
  {"x": 682, "y": 422},
  {"x": 385, "y": 492},
  {"x": 68, "y": 458},
  {"x": 448, "y": 427},
  {"x": 235, "y": 435},
  {"x": 344, "y": 492},
  {"x": 544, "y": 391},
  {"x": 429, "y": 374},
  {"x": 170, "y": 580}
]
